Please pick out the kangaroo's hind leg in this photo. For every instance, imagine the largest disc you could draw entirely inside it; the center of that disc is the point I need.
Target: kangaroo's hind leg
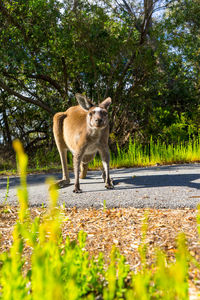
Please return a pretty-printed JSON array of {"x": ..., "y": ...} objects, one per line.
[
  {"x": 84, "y": 165},
  {"x": 84, "y": 168},
  {"x": 65, "y": 181}
]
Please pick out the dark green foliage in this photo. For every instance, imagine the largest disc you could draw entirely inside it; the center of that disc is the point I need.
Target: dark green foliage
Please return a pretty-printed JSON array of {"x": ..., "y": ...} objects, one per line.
[{"x": 147, "y": 63}]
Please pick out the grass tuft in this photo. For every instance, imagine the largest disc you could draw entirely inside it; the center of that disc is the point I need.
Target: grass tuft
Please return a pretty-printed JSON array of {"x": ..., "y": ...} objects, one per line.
[{"x": 138, "y": 155}]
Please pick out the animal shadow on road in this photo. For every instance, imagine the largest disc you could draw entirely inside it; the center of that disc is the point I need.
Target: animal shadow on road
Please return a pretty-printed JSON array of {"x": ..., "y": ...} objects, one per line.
[
  {"x": 157, "y": 180},
  {"x": 33, "y": 179},
  {"x": 126, "y": 178},
  {"x": 150, "y": 181}
]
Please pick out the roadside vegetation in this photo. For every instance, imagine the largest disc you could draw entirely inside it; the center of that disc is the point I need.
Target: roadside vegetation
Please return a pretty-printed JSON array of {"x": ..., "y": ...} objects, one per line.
[
  {"x": 142, "y": 54},
  {"x": 138, "y": 155},
  {"x": 60, "y": 268},
  {"x": 134, "y": 154}
]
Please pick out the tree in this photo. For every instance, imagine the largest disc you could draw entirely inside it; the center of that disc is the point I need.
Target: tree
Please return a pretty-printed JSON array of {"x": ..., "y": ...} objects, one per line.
[{"x": 146, "y": 62}]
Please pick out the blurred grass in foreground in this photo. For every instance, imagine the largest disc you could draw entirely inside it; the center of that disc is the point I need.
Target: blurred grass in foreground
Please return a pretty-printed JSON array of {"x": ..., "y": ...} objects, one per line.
[{"x": 61, "y": 269}]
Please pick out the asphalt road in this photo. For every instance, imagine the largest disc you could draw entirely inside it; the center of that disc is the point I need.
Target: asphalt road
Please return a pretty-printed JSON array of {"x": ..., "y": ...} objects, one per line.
[{"x": 176, "y": 186}]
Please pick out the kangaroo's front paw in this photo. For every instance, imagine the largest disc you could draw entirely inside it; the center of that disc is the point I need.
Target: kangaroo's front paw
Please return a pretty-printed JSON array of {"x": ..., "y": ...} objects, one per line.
[
  {"x": 109, "y": 186},
  {"x": 77, "y": 190}
]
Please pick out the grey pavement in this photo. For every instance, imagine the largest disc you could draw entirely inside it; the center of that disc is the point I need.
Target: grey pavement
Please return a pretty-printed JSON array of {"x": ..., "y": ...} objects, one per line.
[{"x": 175, "y": 186}]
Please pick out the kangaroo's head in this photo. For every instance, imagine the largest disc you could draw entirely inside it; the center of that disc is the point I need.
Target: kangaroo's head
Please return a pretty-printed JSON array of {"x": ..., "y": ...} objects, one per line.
[{"x": 97, "y": 116}]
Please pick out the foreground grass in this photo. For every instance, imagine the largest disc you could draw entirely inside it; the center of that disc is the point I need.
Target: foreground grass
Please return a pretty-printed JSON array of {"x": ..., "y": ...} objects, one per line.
[
  {"x": 121, "y": 227},
  {"x": 62, "y": 269}
]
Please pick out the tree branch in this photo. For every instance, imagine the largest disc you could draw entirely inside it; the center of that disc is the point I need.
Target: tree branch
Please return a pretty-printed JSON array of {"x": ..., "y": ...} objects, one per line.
[
  {"x": 20, "y": 83},
  {"x": 130, "y": 11},
  {"x": 48, "y": 79},
  {"x": 26, "y": 99}
]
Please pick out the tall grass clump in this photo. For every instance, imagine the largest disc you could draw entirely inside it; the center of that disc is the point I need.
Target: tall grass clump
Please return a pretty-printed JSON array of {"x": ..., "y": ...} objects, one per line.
[
  {"x": 135, "y": 154},
  {"x": 138, "y": 155},
  {"x": 56, "y": 269}
]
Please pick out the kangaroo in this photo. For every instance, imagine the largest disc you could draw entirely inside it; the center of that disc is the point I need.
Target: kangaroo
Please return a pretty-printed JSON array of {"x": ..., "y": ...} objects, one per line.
[{"x": 83, "y": 130}]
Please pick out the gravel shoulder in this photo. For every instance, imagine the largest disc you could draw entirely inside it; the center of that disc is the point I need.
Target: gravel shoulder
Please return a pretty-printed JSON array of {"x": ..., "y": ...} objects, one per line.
[{"x": 175, "y": 186}]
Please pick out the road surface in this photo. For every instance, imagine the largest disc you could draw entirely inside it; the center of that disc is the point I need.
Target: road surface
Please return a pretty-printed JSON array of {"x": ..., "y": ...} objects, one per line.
[{"x": 176, "y": 186}]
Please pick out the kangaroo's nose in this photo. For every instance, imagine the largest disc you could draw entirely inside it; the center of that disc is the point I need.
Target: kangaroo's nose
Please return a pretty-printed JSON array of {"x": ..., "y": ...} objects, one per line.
[{"x": 98, "y": 121}]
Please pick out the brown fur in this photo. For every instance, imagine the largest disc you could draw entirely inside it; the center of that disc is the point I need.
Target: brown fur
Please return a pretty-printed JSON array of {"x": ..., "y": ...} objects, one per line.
[{"x": 84, "y": 130}]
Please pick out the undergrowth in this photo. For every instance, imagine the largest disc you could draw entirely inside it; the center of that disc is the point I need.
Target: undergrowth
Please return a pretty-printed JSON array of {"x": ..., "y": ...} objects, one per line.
[
  {"x": 62, "y": 269},
  {"x": 154, "y": 153},
  {"x": 135, "y": 155}
]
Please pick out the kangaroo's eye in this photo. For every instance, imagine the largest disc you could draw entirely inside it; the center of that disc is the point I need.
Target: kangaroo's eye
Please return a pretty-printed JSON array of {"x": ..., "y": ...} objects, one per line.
[{"x": 90, "y": 114}]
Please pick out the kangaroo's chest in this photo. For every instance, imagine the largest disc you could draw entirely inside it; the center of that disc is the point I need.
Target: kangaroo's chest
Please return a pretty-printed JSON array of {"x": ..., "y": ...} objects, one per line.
[
  {"x": 93, "y": 143},
  {"x": 91, "y": 148},
  {"x": 77, "y": 140}
]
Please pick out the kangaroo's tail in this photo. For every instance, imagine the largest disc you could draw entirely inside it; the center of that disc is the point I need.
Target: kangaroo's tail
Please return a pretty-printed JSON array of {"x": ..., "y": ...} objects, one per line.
[{"x": 58, "y": 128}]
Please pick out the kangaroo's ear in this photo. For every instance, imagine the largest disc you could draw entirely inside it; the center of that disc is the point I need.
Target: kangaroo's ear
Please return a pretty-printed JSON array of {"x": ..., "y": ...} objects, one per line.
[
  {"x": 85, "y": 103},
  {"x": 106, "y": 103}
]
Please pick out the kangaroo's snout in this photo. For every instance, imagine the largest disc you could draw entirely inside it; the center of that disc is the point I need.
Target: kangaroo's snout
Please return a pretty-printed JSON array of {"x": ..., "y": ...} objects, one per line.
[{"x": 98, "y": 121}]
